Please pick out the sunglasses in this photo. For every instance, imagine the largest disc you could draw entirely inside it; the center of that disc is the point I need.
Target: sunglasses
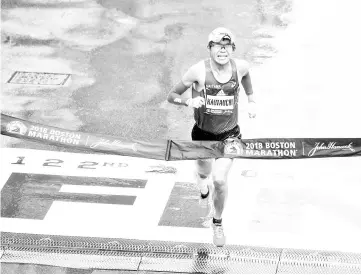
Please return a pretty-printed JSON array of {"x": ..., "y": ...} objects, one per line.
[{"x": 219, "y": 46}]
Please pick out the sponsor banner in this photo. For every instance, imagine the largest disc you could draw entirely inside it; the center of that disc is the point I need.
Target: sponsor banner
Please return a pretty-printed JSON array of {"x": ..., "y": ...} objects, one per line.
[
  {"x": 23, "y": 129},
  {"x": 275, "y": 148}
]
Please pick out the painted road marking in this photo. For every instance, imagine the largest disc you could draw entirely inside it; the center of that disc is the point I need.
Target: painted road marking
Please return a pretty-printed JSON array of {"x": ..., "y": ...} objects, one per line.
[
  {"x": 30, "y": 196},
  {"x": 296, "y": 204},
  {"x": 184, "y": 202},
  {"x": 100, "y": 190}
]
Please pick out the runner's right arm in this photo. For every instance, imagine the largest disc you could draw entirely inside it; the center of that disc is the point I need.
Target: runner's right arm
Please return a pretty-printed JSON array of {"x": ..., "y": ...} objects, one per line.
[{"x": 174, "y": 96}]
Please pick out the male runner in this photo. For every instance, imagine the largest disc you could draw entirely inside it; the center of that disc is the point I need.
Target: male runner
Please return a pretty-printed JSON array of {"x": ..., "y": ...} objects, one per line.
[{"x": 215, "y": 92}]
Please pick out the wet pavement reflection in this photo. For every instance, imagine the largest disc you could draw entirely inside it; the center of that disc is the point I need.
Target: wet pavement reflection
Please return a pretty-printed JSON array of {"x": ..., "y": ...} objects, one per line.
[{"x": 120, "y": 87}]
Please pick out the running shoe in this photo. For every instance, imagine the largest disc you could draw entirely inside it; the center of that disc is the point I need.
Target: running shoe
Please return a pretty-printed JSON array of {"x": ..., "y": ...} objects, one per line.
[{"x": 218, "y": 235}]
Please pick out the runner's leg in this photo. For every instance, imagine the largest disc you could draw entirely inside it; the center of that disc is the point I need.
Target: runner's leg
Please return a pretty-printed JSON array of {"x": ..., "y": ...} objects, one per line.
[
  {"x": 220, "y": 174},
  {"x": 203, "y": 174}
]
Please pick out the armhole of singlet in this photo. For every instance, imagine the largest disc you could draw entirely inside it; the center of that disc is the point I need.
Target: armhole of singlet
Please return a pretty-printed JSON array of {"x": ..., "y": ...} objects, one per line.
[
  {"x": 234, "y": 70},
  {"x": 207, "y": 72},
  {"x": 205, "y": 77}
]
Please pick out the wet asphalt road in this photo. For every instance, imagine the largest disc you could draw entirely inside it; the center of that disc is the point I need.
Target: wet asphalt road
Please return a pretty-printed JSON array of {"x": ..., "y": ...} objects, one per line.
[{"x": 133, "y": 74}]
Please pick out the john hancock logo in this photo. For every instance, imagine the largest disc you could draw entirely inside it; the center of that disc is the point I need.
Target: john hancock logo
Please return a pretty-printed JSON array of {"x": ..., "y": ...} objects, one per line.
[
  {"x": 16, "y": 127},
  {"x": 330, "y": 146},
  {"x": 233, "y": 146}
]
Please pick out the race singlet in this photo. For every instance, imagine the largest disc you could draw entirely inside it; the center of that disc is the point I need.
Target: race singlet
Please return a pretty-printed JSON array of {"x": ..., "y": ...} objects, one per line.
[{"x": 220, "y": 112}]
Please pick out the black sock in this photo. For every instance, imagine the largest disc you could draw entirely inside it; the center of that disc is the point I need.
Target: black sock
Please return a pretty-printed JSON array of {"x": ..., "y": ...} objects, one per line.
[
  {"x": 219, "y": 221},
  {"x": 203, "y": 196}
]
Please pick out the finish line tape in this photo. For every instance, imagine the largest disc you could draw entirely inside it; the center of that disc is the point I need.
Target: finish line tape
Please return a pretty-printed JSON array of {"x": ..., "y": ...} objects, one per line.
[{"x": 172, "y": 150}]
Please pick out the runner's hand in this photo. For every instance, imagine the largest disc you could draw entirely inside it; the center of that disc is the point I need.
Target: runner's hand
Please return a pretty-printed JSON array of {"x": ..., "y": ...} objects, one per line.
[
  {"x": 195, "y": 102},
  {"x": 252, "y": 109}
]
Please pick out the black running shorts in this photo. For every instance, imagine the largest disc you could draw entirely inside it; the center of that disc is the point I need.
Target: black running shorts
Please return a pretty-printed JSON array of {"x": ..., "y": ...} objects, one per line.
[{"x": 199, "y": 134}]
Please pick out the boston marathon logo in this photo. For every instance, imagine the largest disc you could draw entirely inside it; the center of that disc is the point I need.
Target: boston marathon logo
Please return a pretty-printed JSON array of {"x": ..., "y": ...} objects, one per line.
[
  {"x": 330, "y": 146},
  {"x": 260, "y": 149},
  {"x": 233, "y": 146},
  {"x": 16, "y": 127},
  {"x": 54, "y": 135}
]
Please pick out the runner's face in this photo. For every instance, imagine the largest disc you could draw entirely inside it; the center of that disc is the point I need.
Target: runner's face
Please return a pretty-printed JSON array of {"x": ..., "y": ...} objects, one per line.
[{"x": 221, "y": 52}]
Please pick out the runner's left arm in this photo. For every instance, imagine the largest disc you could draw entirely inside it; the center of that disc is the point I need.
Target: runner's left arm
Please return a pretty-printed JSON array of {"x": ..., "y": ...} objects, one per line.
[
  {"x": 247, "y": 86},
  {"x": 243, "y": 71}
]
